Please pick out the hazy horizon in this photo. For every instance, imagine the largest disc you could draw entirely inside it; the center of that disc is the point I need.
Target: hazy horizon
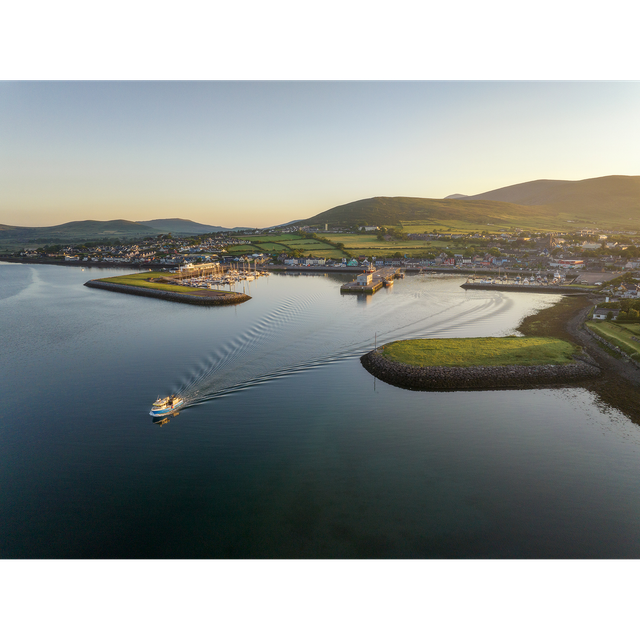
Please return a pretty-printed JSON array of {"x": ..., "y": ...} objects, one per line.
[{"x": 264, "y": 153}]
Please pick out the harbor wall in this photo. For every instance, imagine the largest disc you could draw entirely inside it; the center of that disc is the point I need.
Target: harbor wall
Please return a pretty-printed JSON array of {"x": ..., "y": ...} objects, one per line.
[
  {"x": 202, "y": 300},
  {"x": 477, "y": 378},
  {"x": 531, "y": 288}
]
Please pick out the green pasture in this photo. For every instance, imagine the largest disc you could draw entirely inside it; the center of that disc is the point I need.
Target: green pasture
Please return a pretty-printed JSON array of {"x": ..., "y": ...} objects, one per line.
[
  {"x": 271, "y": 247},
  {"x": 632, "y": 328},
  {"x": 541, "y": 224},
  {"x": 354, "y": 240},
  {"x": 370, "y": 245},
  {"x": 335, "y": 254},
  {"x": 309, "y": 246},
  {"x": 620, "y": 335},
  {"x": 305, "y": 242},
  {"x": 241, "y": 249},
  {"x": 282, "y": 237},
  {"x": 470, "y": 352}
]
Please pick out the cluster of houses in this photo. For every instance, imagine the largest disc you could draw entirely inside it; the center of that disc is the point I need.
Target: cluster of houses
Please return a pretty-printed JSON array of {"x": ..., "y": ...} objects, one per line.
[
  {"x": 362, "y": 261},
  {"x": 162, "y": 250},
  {"x": 551, "y": 251},
  {"x": 624, "y": 291}
]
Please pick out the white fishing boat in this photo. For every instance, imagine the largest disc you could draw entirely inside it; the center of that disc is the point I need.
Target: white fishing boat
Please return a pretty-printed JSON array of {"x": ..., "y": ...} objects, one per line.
[{"x": 166, "y": 406}]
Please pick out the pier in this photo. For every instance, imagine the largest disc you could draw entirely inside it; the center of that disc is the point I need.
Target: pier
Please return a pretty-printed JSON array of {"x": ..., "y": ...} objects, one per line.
[{"x": 371, "y": 281}]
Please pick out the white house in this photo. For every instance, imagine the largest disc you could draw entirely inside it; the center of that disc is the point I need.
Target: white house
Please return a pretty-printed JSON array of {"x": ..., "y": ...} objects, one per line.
[{"x": 601, "y": 314}]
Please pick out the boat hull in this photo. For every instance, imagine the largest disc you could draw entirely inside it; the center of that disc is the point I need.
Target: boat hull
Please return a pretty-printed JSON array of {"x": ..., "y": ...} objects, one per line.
[{"x": 166, "y": 411}]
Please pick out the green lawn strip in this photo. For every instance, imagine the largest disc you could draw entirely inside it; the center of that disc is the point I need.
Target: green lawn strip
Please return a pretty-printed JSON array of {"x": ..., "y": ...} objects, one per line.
[
  {"x": 469, "y": 352},
  {"x": 618, "y": 335},
  {"x": 140, "y": 280},
  {"x": 633, "y": 328}
]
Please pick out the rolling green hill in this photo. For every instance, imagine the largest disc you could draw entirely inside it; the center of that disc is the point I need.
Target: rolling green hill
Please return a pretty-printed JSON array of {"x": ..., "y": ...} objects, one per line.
[
  {"x": 592, "y": 196},
  {"x": 606, "y": 200},
  {"x": 95, "y": 230},
  {"x": 611, "y": 201},
  {"x": 75, "y": 231},
  {"x": 183, "y": 226},
  {"x": 392, "y": 211}
]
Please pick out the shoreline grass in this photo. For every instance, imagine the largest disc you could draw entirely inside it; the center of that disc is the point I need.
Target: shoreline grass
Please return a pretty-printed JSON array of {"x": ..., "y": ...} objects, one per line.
[
  {"x": 473, "y": 352},
  {"x": 618, "y": 335}
]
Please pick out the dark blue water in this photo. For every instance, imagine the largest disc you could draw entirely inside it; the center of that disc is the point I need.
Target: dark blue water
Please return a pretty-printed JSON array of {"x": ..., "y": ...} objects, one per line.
[{"x": 288, "y": 448}]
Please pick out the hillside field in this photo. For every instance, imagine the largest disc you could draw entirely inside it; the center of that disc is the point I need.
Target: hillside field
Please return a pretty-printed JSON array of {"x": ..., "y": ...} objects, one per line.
[
  {"x": 287, "y": 242},
  {"x": 369, "y": 245}
]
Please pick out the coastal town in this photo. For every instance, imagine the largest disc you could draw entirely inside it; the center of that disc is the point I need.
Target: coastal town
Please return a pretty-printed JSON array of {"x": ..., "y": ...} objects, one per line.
[{"x": 588, "y": 249}]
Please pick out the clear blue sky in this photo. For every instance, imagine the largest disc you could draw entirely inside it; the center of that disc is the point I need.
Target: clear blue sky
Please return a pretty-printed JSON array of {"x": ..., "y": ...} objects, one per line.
[{"x": 264, "y": 153}]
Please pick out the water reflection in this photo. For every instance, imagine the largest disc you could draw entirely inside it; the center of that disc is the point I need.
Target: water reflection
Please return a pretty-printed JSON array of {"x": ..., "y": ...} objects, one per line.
[{"x": 160, "y": 421}]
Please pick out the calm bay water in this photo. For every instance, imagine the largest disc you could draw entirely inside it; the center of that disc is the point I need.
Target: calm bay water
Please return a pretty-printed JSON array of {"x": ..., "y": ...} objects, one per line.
[{"x": 288, "y": 448}]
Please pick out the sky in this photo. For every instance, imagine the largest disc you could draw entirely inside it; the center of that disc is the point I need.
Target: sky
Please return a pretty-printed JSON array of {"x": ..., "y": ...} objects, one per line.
[{"x": 260, "y": 153}]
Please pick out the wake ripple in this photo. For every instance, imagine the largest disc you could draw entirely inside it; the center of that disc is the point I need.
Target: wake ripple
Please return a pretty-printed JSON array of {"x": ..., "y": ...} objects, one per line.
[{"x": 304, "y": 333}]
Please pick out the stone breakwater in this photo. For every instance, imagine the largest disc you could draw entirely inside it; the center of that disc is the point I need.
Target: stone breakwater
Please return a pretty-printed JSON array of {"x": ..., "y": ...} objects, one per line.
[
  {"x": 205, "y": 298},
  {"x": 531, "y": 288},
  {"x": 466, "y": 378}
]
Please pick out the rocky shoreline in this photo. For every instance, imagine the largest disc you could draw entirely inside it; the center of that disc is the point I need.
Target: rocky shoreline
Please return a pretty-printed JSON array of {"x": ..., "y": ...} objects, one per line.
[
  {"x": 204, "y": 298},
  {"x": 477, "y": 378}
]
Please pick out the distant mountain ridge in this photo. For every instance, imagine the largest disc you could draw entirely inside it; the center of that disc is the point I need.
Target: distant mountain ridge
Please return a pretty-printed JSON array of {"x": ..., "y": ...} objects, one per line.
[
  {"x": 593, "y": 196},
  {"x": 603, "y": 202},
  {"x": 181, "y": 225},
  {"x": 95, "y": 230},
  {"x": 391, "y": 211}
]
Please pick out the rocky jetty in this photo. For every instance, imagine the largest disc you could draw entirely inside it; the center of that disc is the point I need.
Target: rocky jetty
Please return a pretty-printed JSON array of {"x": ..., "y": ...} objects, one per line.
[
  {"x": 201, "y": 297},
  {"x": 469, "y": 378}
]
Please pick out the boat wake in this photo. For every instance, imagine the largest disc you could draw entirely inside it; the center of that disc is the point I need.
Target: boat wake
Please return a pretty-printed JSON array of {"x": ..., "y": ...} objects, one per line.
[{"x": 303, "y": 334}]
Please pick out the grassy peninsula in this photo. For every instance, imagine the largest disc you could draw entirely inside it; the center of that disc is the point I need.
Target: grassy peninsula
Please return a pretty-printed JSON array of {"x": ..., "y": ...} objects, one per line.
[
  {"x": 154, "y": 285},
  {"x": 145, "y": 280},
  {"x": 474, "y": 352}
]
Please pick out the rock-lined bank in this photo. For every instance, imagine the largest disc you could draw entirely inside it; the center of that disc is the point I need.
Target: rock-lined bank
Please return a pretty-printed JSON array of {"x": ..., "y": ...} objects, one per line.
[
  {"x": 531, "y": 288},
  {"x": 200, "y": 297},
  {"x": 467, "y": 378}
]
